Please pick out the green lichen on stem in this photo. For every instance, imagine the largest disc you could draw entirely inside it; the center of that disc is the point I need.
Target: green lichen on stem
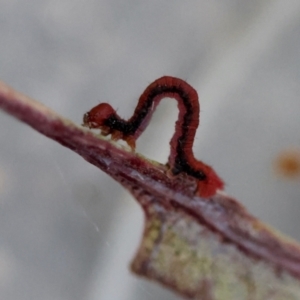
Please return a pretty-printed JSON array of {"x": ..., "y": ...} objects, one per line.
[{"x": 192, "y": 259}]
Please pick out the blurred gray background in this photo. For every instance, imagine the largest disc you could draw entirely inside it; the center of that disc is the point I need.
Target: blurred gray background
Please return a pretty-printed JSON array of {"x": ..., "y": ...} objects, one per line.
[{"x": 67, "y": 231}]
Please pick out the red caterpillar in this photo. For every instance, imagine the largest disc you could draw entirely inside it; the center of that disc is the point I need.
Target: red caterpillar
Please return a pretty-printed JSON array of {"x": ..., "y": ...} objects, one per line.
[{"x": 181, "y": 158}]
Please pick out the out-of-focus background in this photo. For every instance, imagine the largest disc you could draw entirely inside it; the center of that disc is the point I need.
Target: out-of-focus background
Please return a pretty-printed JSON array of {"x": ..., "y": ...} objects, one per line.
[{"x": 67, "y": 231}]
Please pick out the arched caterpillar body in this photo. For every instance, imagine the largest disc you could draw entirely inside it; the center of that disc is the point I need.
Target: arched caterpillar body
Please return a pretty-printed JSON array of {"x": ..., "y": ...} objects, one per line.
[{"x": 181, "y": 158}]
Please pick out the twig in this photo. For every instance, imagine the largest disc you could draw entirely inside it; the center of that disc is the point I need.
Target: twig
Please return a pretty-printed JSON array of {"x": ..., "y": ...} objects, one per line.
[{"x": 201, "y": 248}]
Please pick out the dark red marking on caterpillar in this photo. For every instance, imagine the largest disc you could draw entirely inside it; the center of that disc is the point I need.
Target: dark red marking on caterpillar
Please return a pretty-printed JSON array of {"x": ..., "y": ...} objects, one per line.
[{"x": 181, "y": 158}]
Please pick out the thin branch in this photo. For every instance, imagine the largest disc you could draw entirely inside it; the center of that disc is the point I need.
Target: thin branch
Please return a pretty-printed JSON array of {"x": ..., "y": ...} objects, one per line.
[{"x": 201, "y": 248}]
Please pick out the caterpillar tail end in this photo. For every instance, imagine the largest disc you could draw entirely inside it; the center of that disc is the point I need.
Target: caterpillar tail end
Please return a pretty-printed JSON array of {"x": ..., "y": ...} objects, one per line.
[{"x": 209, "y": 187}]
